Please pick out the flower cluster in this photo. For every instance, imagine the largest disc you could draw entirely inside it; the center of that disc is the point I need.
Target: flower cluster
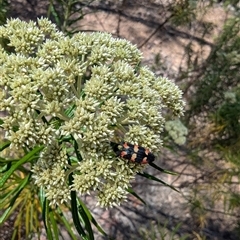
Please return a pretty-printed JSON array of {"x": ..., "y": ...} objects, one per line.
[
  {"x": 230, "y": 97},
  {"x": 89, "y": 89},
  {"x": 50, "y": 172},
  {"x": 177, "y": 131}
]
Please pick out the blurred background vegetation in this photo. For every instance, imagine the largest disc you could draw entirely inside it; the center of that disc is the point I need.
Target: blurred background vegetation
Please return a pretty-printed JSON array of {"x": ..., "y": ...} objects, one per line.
[{"x": 206, "y": 68}]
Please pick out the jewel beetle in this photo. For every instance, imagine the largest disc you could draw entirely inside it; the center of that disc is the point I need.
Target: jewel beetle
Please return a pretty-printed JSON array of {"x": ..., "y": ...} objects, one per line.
[{"x": 133, "y": 152}]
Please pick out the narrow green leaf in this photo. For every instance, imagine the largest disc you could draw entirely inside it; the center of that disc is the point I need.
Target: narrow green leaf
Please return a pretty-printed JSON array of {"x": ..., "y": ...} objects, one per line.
[
  {"x": 76, "y": 220},
  {"x": 5, "y": 214},
  {"x": 41, "y": 196},
  {"x": 16, "y": 190},
  {"x": 32, "y": 214},
  {"x": 45, "y": 215},
  {"x": 19, "y": 163},
  {"x": 130, "y": 190},
  {"x": 87, "y": 222},
  {"x": 70, "y": 111},
  {"x": 91, "y": 218},
  {"x": 5, "y": 167},
  {"x": 79, "y": 157},
  {"x": 11, "y": 205},
  {"x": 54, "y": 225},
  {"x": 66, "y": 224},
  {"x": 4, "y": 145},
  {"x": 70, "y": 22},
  {"x": 44, "y": 212},
  {"x": 4, "y": 160},
  {"x": 27, "y": 218},
  {"x": 151, "y": 177},
  {"x": 53, "y": 11},
  {"x": 74, "y": 210},
  {"x": 161, "y": 169}
]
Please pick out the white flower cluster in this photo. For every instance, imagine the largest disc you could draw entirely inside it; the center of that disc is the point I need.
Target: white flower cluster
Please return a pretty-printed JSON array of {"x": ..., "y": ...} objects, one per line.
[
  {"x": 50, "y": 173},
  {"x": 177, "y": 131},
  {"x": 230, "y": 97},
  {"x": 88, "y": 88}
]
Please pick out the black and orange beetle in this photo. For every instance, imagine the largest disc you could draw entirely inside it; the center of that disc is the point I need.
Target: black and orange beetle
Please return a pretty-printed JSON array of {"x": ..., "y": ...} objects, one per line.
[{"x": 133, "y": 153}]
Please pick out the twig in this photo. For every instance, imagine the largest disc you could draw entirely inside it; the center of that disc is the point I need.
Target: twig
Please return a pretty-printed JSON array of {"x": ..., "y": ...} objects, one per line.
[{"x": 155, "y": 31}]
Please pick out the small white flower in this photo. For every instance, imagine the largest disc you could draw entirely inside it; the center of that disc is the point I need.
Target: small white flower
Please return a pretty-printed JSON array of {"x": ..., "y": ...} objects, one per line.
[{"x": 89, "y": 88}]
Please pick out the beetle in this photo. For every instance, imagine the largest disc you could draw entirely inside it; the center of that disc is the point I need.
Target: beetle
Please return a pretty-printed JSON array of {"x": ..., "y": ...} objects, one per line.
[{"x": 133, "y": 152}]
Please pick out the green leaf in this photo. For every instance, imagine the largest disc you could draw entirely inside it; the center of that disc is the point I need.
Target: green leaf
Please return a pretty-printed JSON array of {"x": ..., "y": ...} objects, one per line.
[
  {"x": 52, "y": 10},
  {"x": 54, "y": 225},
  {"x": 5, "y": 167},
  {"x": 4, "y": 145},
  {"x": 75, "y": 216},
  {"x": 161, "y": 169},
  {"x": 71, "y": 22},
  {"x": 86, "y": 221},
  {"x": 45, "y": 216},
  {"x": 5, "y": 214},
  {"x": 66, "y": 224},
  {"x": 130, "y": 190},
  {"x": 41, "y": 195},
  {"x": 14, "y": 191},
  {"x": 44, "y": 211},
  {"x": 21, "y": 161},
  {"x": 12, "y": 201},
  {"x": 151, "y": 177},
  {"x": 91, "y": 218},
  {"x": 70, "y": 111},
  {"x": 74, "y": 210}
]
